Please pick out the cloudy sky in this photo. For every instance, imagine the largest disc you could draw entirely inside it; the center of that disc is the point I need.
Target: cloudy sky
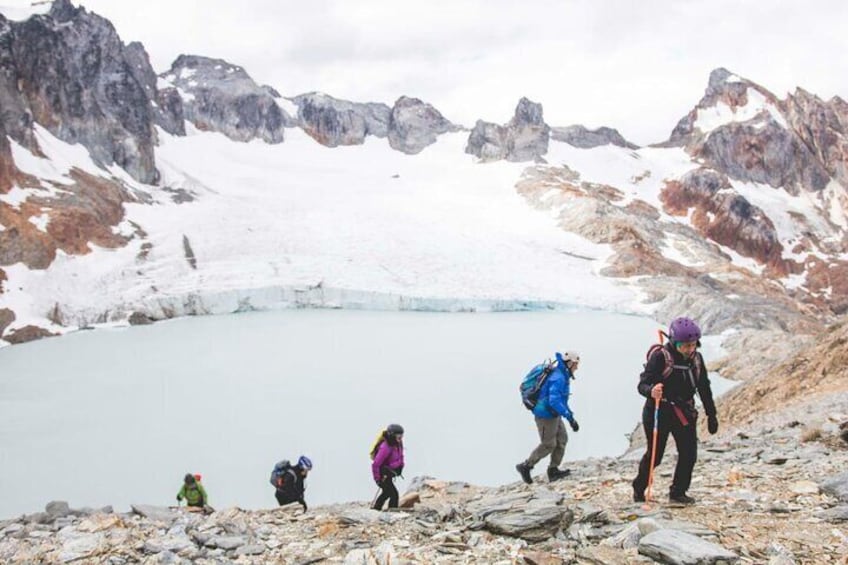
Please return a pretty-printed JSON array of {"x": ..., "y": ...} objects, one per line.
[{"x": 638, "y": 66}]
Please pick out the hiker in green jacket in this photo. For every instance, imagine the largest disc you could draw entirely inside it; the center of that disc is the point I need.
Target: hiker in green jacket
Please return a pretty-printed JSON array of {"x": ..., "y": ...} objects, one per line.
[{"x": 193, "y": 492}]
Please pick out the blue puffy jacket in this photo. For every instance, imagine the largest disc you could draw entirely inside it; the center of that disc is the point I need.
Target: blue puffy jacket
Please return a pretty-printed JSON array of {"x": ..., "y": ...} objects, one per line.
[{"x": 553, "y": 398}]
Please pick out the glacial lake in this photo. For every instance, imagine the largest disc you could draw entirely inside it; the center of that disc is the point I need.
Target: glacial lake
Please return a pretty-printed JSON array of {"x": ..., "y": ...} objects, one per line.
[{"x": 118, "y": 416}]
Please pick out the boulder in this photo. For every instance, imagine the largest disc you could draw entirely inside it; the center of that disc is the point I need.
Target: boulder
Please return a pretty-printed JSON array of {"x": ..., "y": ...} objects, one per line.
[{"x": 680, "y": 548}]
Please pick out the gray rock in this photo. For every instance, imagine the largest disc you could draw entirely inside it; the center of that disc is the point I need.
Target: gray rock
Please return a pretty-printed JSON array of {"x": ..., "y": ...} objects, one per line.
[
  {"x": 647, "y": 525},
  {"x": 226, "y": 542},
  {"x": 413, "y": 125},
  {"x": 219, "y": 96},
  {"x": 837, "y": 486},
  {"x": 57, "y": 508},
  {"x": 12, "y": 529},
  {"x": 78, "y": 545},
  {"x": 584, "y": 138},
  {"x": 334, "y": 122},
  {"x": 155, "y": 513},
  {"x": 836, "y": 514},
  {"x": 530, "y": 523},
  {"x": 418, "y": 483},
  {"x": 670, "y": 546},
  {"x": 628, "y": 538},
  {"x": 368, "y": 516},
  {"x": 524, "y": 138},
  {"x": 779, "y": 555},
  {"x": 251, "y": 549}
]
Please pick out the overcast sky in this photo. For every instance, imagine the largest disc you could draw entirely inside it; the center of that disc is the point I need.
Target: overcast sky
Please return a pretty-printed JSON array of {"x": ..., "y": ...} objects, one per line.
[{"x": 638, "y": 66}]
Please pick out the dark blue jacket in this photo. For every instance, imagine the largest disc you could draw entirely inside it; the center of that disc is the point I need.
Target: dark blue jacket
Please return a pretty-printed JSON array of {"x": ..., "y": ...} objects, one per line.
[{"x": 553, "y": 398}]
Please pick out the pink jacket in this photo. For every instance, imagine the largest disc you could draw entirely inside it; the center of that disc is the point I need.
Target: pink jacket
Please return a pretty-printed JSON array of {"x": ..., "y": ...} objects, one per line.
[{"x": 390, "y": 456}]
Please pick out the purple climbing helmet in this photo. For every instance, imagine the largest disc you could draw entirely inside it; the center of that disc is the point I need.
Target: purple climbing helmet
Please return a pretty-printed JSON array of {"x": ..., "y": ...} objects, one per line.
[{"x": 684, "y": 330}]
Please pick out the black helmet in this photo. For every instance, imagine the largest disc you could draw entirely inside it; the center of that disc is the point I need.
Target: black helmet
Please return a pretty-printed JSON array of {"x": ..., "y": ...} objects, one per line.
[
  {"x": 394, "y": 430},
  {"x": 189, "y": 479}
]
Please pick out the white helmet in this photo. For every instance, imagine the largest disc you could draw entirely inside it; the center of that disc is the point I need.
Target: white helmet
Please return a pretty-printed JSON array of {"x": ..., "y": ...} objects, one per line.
[{"x": 571, "y": 356}]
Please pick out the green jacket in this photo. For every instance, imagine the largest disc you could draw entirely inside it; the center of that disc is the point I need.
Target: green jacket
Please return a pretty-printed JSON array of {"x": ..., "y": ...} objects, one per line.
[{"x": 194, "y": 495}]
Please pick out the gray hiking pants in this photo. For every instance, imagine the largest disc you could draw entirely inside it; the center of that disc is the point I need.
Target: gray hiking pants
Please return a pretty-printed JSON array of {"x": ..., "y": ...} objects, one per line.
[{"x": 553, "y": 439}]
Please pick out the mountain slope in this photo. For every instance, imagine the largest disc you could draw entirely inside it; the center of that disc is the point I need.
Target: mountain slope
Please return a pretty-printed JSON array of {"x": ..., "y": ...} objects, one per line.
[{"x": 120, "y": 198}]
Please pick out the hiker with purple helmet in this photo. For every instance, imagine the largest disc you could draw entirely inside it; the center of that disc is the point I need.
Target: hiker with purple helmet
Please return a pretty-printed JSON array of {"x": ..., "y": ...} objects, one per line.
[{"x": 673, "y": 374}]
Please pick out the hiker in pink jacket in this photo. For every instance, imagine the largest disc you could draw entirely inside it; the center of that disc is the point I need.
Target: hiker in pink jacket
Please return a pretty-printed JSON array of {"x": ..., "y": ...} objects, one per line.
[{"x": 388, "y": 464}]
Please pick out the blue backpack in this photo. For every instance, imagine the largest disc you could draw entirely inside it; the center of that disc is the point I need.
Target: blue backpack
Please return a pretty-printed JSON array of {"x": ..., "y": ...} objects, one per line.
[{"x": 533, "y": 381}]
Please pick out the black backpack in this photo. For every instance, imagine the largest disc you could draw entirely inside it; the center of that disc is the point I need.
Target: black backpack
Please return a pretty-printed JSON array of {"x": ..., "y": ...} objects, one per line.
[{"x": 279, "y": 471}]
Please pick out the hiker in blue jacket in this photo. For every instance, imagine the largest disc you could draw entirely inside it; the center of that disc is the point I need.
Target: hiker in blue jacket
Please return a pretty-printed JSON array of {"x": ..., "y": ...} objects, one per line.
[{"x": 549, "y": 411}]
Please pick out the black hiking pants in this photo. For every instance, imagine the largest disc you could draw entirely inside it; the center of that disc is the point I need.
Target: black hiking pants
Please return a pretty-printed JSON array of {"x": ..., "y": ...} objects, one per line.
[
  {"x": 284, "y": 498},
  {"x": 389, "y": 492},
  {"x": 685, "y": 438}
]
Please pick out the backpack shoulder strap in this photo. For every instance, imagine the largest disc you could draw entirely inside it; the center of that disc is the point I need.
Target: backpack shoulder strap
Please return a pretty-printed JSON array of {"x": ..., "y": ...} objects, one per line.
[{"x": 669, "y": 361}]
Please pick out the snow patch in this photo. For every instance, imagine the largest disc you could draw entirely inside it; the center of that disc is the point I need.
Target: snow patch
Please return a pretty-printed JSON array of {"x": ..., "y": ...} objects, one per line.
[
  {"x": 793, "y": 282},
  {"x": 624, "y": 168},
  {"x": 287, "y": 105},
  {"x": 186, "y": 96},
  {"x": 679, "y": 250},
  {"x": 709, "y": 119},
  {"x": 743, "y": 262},
  {"x": 40, "y": 221},
  {"x": 791, "y": 215},
  {"x": 19, "y": 10},
  {"x": 186, "y": 73}
]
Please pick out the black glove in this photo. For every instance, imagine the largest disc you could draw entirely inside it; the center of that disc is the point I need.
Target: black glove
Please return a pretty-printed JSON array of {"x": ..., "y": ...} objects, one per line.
[
  {"x": 179, "y": 499},
  {"x": 574, "y": 425},
  {"x": 712, "y": 424}
]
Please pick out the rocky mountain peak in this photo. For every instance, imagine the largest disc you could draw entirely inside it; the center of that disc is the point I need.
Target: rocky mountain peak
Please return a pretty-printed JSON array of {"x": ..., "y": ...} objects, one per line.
[
  {"x": 746, "y": 132},
  {"x": 219, "y": 96},
  {"x": 63, "y": 11},
  {"x": 69, "y": 71},
  {"x": 524, "y": 138},
  {"x": 583, "y": 137},
  {"x": 333, "y": 122},
  {"x": 413, "y": 125},
  {"x": 528, "y": 113}
]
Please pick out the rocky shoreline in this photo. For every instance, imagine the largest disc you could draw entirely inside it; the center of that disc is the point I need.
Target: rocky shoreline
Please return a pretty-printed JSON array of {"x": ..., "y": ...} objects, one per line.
[{"x": 774, "y": 491}]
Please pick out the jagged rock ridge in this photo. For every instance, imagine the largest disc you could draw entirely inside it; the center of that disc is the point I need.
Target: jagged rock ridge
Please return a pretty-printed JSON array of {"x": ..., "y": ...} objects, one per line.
[
  {"x": 524, "y": 138},
  {"x": 218, "y": 96}
]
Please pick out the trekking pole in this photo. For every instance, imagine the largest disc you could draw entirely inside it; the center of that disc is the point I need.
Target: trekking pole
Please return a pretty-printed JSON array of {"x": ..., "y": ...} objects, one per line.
[{"x": 653, "y": 454}]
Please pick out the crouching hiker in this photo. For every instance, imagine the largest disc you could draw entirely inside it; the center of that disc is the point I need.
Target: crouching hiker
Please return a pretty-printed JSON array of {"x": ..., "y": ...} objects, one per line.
[
  {"x": 387, "y": 455},
  {"x": 549, "y": 403},
  {"x": 289, "y": 481},
  {"x": 194, "y": 494},
  {"x": 673, "y": 373}
]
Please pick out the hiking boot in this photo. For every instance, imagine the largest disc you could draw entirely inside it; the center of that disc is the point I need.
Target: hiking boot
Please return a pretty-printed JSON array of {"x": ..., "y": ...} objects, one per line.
[
  {"x": 555, "y": 474},
  {"x": 638, "y": 495},
  {"x": 524, "y": 470},
  {"x": 681, "y": 498}
]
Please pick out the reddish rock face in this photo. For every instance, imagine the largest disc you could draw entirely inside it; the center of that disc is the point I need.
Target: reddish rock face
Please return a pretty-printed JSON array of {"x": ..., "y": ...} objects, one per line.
[
  {"x": 7, "y": 165},
  {"x": 823, "y": 127},
  {"x": 21, "y": 241},
  {"x": 827, "y": 283},
  {"x": 27, "y": 333},
  {"x": 6, "y": 318},
  {"x": 725, "y": 217},
  {"x": 84, "y": 216}
]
